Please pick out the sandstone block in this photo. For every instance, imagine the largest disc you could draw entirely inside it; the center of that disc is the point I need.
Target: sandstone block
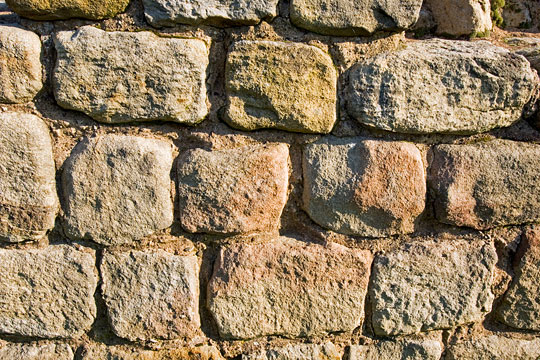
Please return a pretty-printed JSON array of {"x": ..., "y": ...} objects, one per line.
[
  {"x": 425, "y": 286},
  {"x": 287, "y": 287},
  {"x": 495, "y": 347},
  {"x": 287, "y": 86},
  {"x": 100, "y": 352},
  {"x": 326, "y": 351},
  {"x": 151, "y": 295},
  {"x": 28, "y": 200},
  {"x": 404, "y": 349},
  {"x": 117, "y": 189},
  {"x": 65, "y": 9},
  {"x": 233, "y": 191},
  {"x": 487, "y": 184},
  {"x": 353, "y": 18},
  {"x": 36, "y": 352},
  {"x": 118, "y": 77},
  {"x": 441, "y": 86},
  {"x": 47, "y": 293},
  {"x": 461, "y": 17},
  {"x": 364, "y": 187}
]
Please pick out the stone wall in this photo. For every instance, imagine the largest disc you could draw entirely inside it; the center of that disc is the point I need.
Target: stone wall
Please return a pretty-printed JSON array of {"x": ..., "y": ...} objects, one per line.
[{"x": 268, "y": 179}]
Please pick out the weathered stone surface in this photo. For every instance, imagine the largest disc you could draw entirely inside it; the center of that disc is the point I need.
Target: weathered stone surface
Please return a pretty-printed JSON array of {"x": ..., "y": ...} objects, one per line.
[
  {"x": 426, "y": 285},
  {"x": 352, "y": 18},
  {"x": 487, "y": 184},
  {"x": 461, "y": 17},
  {"x": 151, "y": 295},
  {"x": 47, "y": 293},
  {"x": 364, "y": 187},
  {"x": 325, "y": 351},
  {"x": 233, "y": 191},
  {"x": 100, "y": 352},
  {"x": 495, "y": 347},
  {"x": 404, "y": 349},
  {"x": 20, "y": 65},
  {"x": 28, "y": 201},
  {"x": 117, "y": 189},
  {"x": 441, "y": 86},
  {"x": 520, "y": 307},
  {"x": 287, "y": 86},
  {"x": 36, "y": 352},
  {"x": 118, "y": 77},
  {"x": 287, "y": 287},
  {"x": 65, "y": 9},
  {"x": 214, "y": 12},
  {"x": 530, "y": 49},
  {"x": 516, "y": 14}
]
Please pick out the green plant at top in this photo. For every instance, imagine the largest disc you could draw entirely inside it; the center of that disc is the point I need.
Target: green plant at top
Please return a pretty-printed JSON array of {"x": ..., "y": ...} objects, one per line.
[{"x": 496, "y": 6}]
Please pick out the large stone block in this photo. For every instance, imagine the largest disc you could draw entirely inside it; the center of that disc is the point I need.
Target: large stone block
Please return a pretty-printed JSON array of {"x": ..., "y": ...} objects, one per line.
[
  {"x": 118, "y": 77},
  {"x": 441, "y": 86},
  {"x": 33, "y": 351},
  {"x": 326, "y": 351},
  {"x": 28, "y": 200},
  {"x": 402, "y": 349},
  {"x": 495, "y": 347},
  {"x": 100, "y": 352},
  {"x": 151, "y": 295},
  {"x": 278, "y": 85},
  {"x": 117, "y": 189},
  {"x": 288, "y": 287},
  {"x": 233, "y": 191},
  {"x": 62, "y": 9},
  {"x": 425, "y": 286},
  {"x": 47, "y": 293},
  {"x": 486, "y": 184},
  {"x": 461, "y": 17},
  {"x": 364, "y": 187}
]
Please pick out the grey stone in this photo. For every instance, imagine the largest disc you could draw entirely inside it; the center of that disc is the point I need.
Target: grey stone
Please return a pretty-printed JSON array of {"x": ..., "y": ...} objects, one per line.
[
  {"x": 486, "y": 184},
  {"x": 28, "y": 200},
  {"x": 518, "y": 13},
  {"x": 288, "y": 287},
  {"x": 461, "y": 17},
  {"x": 47, "y": 293},
  {"x": 364, "y": 187},
  {"x": 63, "y": 9},
  {"x": 326, "y": 351},
  {"x": 426, "y": 285},
  {"x": 495, "y": 347},
  {"x": 118, "y": 77},
  {"x": 394, "y": 350},
  {"x": 117, "y": 189},
  {"x": 529, "y": 47},
  {"x": 151, "y": 295},
  {"x": 49, "y": 351},
  {"x": 442, "y": 86}
]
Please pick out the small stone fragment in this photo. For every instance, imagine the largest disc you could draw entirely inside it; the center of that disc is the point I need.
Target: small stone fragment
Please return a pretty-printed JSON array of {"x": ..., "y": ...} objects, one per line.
[
  {"x": 364, "y": 187},
  {"x": 278, "y": 85},
  {"x": 404, "y": 349},
  {"x": 426, "y": 286},
  {"x": 441, "y": 86},
  {"x": 151, "y": 295},
  {"x": 117, "y": 189},
  {"x": 233, "y": 191},
  {"x": 28, "y": 200},
  {"x": 487, "y": 184},
  {"x": 495, "y": 347},
  {"x": 286, "y": 287},
  {"x": 461, "y": 17},
  {"x": 100, "y": 352},
  {"x": 62, "y": 9},
  {"x": 118, "y": 77},
  {"x": 49, "y": 351},
  {"x": 325, "y": 351},
  {"x": 47, "y": 293}
]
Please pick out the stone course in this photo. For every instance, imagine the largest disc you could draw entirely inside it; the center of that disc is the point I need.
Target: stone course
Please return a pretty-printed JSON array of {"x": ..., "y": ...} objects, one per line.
[
  {"x": 65, "y": 9},
  {"x": 414, "y": 350},
  {"x": 46, "y": 351},
  {"x": 495, "y": 347},
  {"x": 325, "y": 351}
]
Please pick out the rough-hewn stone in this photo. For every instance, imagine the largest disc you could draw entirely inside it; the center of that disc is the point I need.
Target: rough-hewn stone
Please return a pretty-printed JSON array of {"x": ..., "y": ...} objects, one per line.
[
  {"x": 28, "y": 201},
  {"x": 47, "y": 293},
  {"x": 214, "y": 12},
  {"x": 441, "y": 86},
  {"x": 495, "y": 347},
  {"x": 65, "y": 9},
  {"x": 486, "y": 184},
  {"x": 326, "y": 351},
  {"x": 117, "y": 189},
  {"x": 531, "y": 50},
  {"x": 38, "y": 351},
  {"x": 118, "y": 77},
  {"x": 233, "y": 191},
  {"x": 151, "y": 295},
  {"x": 404, "y": 349},
  {"x": 287, "y": 86},
  {"x": 364, "y": 187},
  {"x": 350, "y": 17},
  {"x": 461, "y": 17},
  {"x": 100, "y": 352},
  {"x": 425, "y": 285},
  {"x": 288, "y": 287},
  {"x": 522, "y": 14}
]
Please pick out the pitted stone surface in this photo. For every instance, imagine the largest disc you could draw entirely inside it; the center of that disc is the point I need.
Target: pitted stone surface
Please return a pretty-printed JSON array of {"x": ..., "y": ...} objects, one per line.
[
  {"x": 20, "y": 65},
  {"x": 48, "y": 351},
  {"x": 495, "y": 347},
  {"x": 151, "y": 295},
  {"x": 214, "y": 12},
  {"x": 117, "y": 189},
  {"x": 461, "y": 17},
  {"x": 404, "y": 349},
  {"x": 65, "y": 9},
  {"x": 118, "y": 77},
  {"x": 364, "y": 187},
  {"x": 28, "y": 200},
  {"x": 288, "y": 287},
  {"x": 354, "y": 17},
  {"x": 325, "y": 351},
  {"x": 425, "y": 286},
  {"x": 100, "y": 352},
  {"x": 238, "y": 190},
  {"x": 47, "y": 293},
  {"x": 441, "y": 86},
  {"x": 278, "y": 85},
  {"x": 486, "y": 184}
]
